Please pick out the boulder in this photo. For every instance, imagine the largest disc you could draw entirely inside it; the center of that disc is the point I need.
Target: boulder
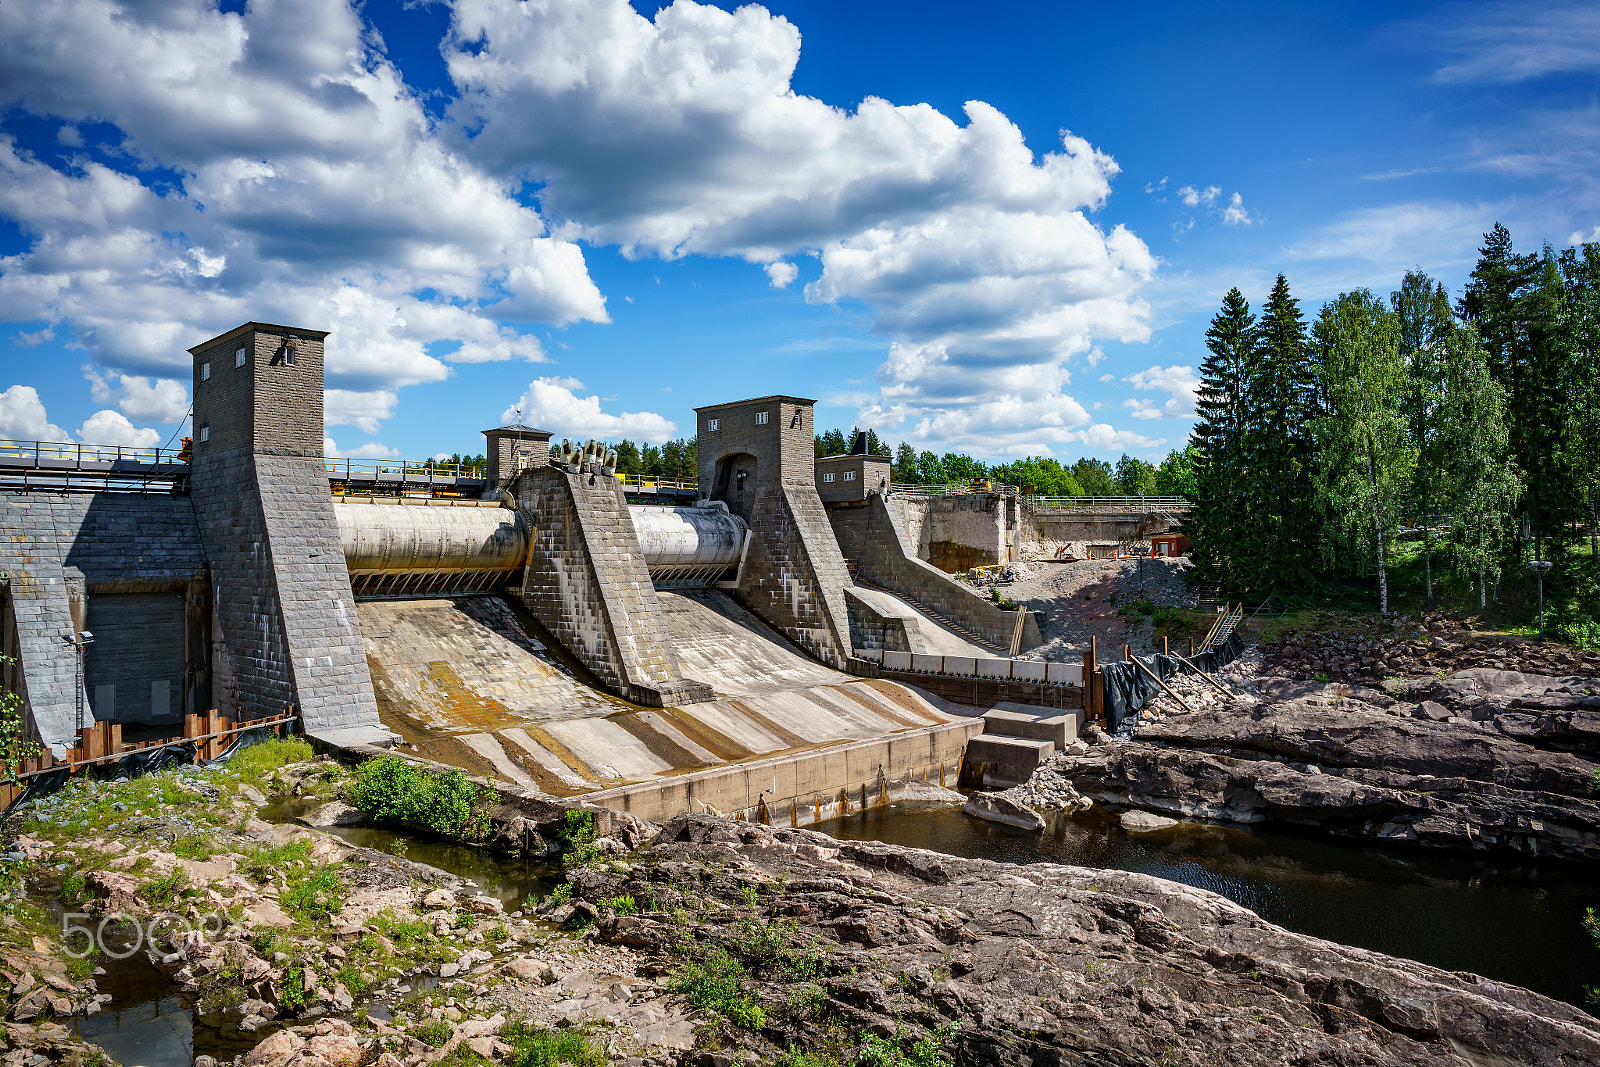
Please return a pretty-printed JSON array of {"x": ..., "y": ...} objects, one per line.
[
  {"x": 436, "y": 899},
  {"x": 335, "y": 813},
  {"x": 1137, "y": 821},
  {"x": 997, "y": 807}
]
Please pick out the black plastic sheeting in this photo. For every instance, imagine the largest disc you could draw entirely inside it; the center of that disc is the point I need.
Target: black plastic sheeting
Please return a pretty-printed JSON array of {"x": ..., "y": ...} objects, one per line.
[
  {"x": 1127, "y": 688},
  {"x": 133, "y": 764}
]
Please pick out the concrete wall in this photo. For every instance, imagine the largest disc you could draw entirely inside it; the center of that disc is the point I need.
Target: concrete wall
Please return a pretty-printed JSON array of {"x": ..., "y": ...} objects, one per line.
[
  {"x": 966, "y": 531},
  {"x": 794, "y": 575},
  {"x": 1045, "y": 535},
  {"x": 886, "y": 557},
  {"x": 870, "y": 628},
  {"x": 62, "y": 549},
  {"x": 976, "y": 692},
  {"x": 586, "y": 582},
  {"x": 830, "y": 780}
]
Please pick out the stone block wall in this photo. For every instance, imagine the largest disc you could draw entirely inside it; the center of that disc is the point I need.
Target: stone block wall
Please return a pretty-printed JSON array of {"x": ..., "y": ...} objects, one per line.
[
  {"x": 885, "y": 556},
  {"x": 966, "y": 531},
  {"x": 285, "y": 615},
  {"x": 586, "y": 582},
  {"x": 62, "y": 550},
  {"x": 794, "y": 574}
]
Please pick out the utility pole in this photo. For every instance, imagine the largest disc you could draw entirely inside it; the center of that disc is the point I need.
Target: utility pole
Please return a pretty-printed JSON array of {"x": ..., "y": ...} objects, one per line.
[{"x": 79, "y": 641}]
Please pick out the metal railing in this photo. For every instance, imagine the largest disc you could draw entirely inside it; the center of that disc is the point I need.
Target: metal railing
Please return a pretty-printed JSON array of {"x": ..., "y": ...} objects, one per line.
[
  {"x": 1107, "y": 503},
  {"x": 384, "y": 470},
  {"x": 65, "y": 455},
  {"x": 650, "y": 483}
]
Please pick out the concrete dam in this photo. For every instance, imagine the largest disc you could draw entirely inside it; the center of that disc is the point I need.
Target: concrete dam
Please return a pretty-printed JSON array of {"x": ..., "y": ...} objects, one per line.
[{"x": 535, "y": 625}]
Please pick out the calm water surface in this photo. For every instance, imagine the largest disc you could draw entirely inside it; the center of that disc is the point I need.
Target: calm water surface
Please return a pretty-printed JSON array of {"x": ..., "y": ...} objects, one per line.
[{"x": 1520, "y": 924}]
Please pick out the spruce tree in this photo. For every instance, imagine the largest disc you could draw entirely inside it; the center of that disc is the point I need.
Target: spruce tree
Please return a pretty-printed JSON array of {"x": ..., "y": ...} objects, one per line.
[
  {"x": 1282, "y": 391},
  {"x": 1218, "y": 520}
]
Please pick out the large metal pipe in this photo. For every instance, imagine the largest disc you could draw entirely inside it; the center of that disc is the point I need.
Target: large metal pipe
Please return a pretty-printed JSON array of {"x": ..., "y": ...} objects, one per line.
[
  {"x": 400, "y": 548},
  {"x": 406, "y": 539}
]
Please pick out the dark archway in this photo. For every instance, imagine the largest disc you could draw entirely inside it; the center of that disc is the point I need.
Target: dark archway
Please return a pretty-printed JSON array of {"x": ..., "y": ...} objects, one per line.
[{"x": 736, "y": 483}]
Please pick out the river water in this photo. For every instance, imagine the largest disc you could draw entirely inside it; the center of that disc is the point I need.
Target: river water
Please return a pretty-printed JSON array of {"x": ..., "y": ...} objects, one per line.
[{"x": 1514, "y": 923}]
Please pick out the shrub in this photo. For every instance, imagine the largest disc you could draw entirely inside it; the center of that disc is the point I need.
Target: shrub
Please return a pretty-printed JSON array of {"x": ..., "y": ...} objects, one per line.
[
  {"x": 390, "y": 790},
  {"x": 623, "y": 905},
  {"x": 1581, "y": 633},
  {"x": 577, "y": 837},
  {"x": 434, "y": 1032},
  {"x": 315, "y": 897},
  {"x": 926, "y": 1051}
]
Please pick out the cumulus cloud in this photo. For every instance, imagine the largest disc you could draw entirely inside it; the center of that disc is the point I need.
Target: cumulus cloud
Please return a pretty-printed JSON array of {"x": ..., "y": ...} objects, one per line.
[
  {"x": 1209, "y": 201},
  {"x": 1178, "y": 382},
  {"x": 364, "y": 411},
  {"x": 311, "y": 188},
  {"x": 1578, "y": 238},
  {"x": 23, "y": 418},
  {"x": 781, "y": 274},
  {"x": 1193, "y": 197},
  {"x": 1234, "y": 214},
  {"x": 553, "y": 404},
  {"x": 147, "y": 399},
  {"x": 109, "y": 427},
  {"x": 1107, "y": 439},
  {"x": 370, "y": 450},
  {"x": 682, "y": 134}
]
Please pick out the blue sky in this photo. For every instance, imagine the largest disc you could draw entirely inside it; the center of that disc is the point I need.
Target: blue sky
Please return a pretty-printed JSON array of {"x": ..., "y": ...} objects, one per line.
[{"x": 1000, "y": 232}]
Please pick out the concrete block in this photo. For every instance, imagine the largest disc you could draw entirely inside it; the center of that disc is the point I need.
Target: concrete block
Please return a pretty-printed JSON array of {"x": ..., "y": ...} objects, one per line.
[
  {"x": 1021, "y": 720},
  {"x": 1000, "y": 762}
]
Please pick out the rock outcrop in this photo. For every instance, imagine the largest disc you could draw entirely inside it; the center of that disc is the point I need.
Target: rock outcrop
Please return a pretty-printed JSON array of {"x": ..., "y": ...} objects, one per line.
[
  {"x": 1494, "y": 765},
  {"x": 1042, "y": 964}
]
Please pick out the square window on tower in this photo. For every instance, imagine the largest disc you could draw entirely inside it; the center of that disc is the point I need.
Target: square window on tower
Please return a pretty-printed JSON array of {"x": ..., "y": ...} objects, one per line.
[
  {"x": 761, "y": 417},
  {"x": 238, "y": 359}
]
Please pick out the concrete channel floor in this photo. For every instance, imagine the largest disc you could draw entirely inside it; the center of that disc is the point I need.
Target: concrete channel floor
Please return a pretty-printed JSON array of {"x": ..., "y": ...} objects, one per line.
[
  {"x": 463, "y": 682},
  {"x": 941, "y": 639}
]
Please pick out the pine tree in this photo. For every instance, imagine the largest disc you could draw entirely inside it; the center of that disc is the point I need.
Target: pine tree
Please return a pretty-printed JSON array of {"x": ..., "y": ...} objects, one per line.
[
  {"x": 1581, "y": 270},
  {"x": 1281, "y": 392},
  {"x": 1218, "y": 521}
]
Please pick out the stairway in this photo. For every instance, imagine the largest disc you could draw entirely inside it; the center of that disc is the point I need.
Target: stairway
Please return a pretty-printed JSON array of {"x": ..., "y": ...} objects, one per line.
[{"x": 1016, "y": 739}]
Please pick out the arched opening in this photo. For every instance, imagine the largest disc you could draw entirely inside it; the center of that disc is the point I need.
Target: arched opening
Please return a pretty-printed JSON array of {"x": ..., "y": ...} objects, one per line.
[{"x": 736, "y": 483}]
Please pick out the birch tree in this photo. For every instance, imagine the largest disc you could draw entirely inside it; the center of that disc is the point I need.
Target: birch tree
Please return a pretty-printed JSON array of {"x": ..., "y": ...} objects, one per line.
[
  {"x": 1481, "y": 483},
  {"x": 1422, "y": 313},
  {"x": 1367, "y": 454}
]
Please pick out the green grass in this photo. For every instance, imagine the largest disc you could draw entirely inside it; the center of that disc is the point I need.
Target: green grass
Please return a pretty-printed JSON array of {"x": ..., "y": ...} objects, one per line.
[
  {"x": 578, "y": 840},
  {"x": 716, "y": 983},
  {"x": 539, "y": 1047},
  {"x": 925, "y": 1051},
  {"x": 314, "y": 896},
  {"x": 256, "y": 763},
  {"x": 266, "y": 862},
  {"x": 622, "y": 905},
  {"x": 165, "y": 889},
  {"x": 434, "y": 1032}
]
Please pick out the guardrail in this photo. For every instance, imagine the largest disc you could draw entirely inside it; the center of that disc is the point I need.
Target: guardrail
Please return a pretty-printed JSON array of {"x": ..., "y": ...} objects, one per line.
[
  {"x": 651, "y": 484},
  {"x": 382, "y": 470},
  {"x": 1020, "y": 670},
  {"x": 1106, "y": 503},
  {"x": 66, "y": 455}
]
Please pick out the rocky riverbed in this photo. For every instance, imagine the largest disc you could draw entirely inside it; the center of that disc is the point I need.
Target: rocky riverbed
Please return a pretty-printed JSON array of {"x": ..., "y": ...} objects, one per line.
[
  {"x": 1481, "y": 759},
  {"x": 706, "y": 943}
]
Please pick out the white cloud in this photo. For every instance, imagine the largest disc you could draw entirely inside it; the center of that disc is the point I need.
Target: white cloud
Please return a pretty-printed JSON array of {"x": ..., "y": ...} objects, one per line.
[
  {"x": 1193, "y": 197},
  {"x": 782, "y": 274},
  {"x": 1108, "y": 377},
  {"x": 109, "y": 427},
  {"x": 343, "y": 407},
  {"x": 1578, "y": 238},
  {"x": 157, "y": 400},
  {"x": 1178, "y": 382},
  {"x": 682, "y": 134},
  {"x": 370, "y": 450},
  {"x": 23, "y": 418},
  {"x": 311, "y": 189},
  {"x": 553, "y": 404},
  {"x": 1234, "y": 214},
  {"x": 1391, "y": 237},
  {"x": 1107, "y": 439},
  {"x": 1511, "y": 42}
]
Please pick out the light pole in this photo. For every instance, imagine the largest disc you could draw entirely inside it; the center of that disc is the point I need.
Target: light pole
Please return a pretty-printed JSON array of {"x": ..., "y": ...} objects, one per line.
[
  {"x": 1539, "y": 567},
  {"x": 79, "y": 641}
]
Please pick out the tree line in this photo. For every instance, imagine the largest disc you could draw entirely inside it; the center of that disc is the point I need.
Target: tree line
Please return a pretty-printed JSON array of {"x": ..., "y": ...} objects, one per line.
[
  {"x": 1130, "y": 476},
  {"x": 1474, "y": 424}
]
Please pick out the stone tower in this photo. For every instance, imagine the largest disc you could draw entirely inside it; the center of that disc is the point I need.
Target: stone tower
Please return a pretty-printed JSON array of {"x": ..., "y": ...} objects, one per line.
[
  {"x": 758, "y": 457},
  {"x": 285, "y": 629},
  {"x": 513, "y": 448}
]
